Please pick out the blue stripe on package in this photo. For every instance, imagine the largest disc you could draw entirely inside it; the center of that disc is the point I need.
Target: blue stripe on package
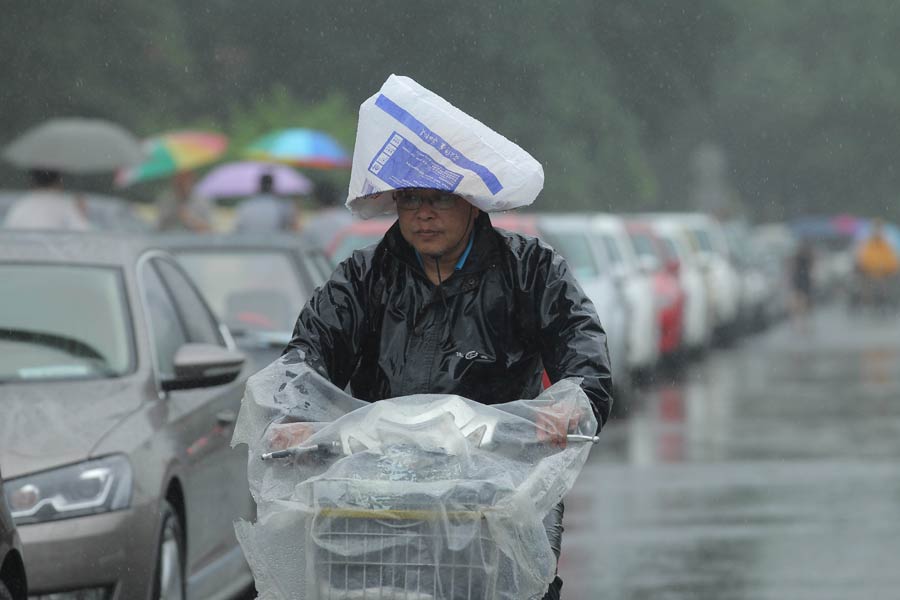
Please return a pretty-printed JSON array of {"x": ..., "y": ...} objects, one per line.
[
  {"x": 400, "y": 114},
  {"x": 400, "y": 164}
]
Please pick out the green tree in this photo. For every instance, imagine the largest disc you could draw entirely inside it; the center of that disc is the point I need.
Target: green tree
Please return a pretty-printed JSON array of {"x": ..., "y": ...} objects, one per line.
[{"x": 806, "y": 104}]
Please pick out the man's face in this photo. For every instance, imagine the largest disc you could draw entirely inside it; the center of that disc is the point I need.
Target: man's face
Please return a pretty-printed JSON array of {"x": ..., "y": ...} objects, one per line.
[{"x": 434, "y": 222}]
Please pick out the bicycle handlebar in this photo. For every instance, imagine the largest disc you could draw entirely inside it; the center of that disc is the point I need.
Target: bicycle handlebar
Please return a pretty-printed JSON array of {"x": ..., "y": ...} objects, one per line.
[{"x": 336, "y": 448}]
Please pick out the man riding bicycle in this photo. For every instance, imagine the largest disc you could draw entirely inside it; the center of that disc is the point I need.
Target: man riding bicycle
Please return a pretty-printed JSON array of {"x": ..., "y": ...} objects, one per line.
[{"x": 445, "y": 303}]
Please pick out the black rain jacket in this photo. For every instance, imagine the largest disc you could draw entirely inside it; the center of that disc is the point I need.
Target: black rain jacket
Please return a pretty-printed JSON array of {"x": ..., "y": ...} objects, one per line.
[{"x": 486, "y": 333}]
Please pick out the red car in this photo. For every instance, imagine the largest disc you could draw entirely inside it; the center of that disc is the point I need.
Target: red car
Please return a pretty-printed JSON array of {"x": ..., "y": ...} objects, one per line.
[
  {"x": 517, "y": 222},
  {"x": 655, "y": 257},
  {"x": 355, "y": 236}
]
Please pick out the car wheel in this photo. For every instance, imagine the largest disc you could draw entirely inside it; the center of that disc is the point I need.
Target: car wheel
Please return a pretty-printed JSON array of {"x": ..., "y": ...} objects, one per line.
[
  {"x": 4, "y": 592},
  {"x": 169, "y": 578}
]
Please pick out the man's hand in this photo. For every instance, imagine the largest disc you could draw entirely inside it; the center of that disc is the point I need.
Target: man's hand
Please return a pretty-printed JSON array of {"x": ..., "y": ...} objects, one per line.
[
  {"x": 555, "y": 422},
  {"x": 288, "y": 435}
]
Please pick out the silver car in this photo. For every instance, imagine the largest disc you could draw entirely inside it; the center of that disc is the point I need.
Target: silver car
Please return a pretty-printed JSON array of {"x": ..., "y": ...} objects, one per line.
[
  {"x": 13, "y": 582},
  {"x": 119, "y": 390},
  {"x": 256, "y": 284}
]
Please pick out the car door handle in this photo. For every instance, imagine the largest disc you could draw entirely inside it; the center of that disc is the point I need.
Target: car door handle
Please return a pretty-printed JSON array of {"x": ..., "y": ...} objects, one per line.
[{"x": 226, "y": 417}]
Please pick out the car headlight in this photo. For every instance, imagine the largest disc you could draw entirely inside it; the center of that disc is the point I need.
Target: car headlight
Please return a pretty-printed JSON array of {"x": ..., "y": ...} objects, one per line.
[{"x": 88, "y": 488}]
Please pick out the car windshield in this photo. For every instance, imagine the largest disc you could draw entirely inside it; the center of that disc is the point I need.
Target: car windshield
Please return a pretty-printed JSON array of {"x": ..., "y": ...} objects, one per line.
[
  {"x": 670, "y": 249},
  {"x": 576, "y": 250},
  {"x": 63, "y": 322},
  {"x": 702, "y": 238},
  {"x": 643, "y": 243},
  {"x": 612, "y": 249},
  {"x": 250, "y": 291}
]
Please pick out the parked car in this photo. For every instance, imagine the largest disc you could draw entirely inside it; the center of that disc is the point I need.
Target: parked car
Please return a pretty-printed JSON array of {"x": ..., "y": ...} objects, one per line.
[
  {"x": 609, "y": 233},
  {"x": 723, "y": 282},
  {"x": 777, "y": 246},
  {"x": 105, "y": 213},
  {"x": 355, "y": 236},
  {"x": 698, "y": 317},
  {"x": 570, "y": 236},
  {"x": 754, "y": 288},
  {"x": 663, "y": 264},
  {"x": 525, "y": 223},
  {"x": 13, "y": 582},
  {"x": 255, "y": 284},
  {"x": 120, "y": 390}
]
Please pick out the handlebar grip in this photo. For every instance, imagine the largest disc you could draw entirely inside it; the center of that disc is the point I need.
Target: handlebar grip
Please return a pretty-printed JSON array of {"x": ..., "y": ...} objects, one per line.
[{"x": 324, "y": 448}]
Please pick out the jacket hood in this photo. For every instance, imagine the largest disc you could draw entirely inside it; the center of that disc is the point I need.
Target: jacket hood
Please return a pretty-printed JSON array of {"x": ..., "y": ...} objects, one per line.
[{"x": 50, "y": 424}]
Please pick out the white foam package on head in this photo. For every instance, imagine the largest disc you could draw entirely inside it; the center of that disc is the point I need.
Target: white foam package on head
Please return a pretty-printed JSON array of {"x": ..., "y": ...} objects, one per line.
[
  {"x": 409, "y": 137},
  {"x": 415, "y": 497}
]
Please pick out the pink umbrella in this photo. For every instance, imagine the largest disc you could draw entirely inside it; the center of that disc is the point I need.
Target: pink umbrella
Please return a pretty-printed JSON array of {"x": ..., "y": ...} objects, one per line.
[{"x": 239, "y": 179}]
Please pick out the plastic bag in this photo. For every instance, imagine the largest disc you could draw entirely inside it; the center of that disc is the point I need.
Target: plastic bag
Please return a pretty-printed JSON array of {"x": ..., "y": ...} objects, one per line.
[
  {"x": 409, "y": 137},
  {"x": 434, "y": 497}
]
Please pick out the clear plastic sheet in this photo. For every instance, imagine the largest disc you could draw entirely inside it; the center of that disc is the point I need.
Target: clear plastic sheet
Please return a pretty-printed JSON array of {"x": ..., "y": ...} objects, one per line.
[{"x": 423, "y": 497}]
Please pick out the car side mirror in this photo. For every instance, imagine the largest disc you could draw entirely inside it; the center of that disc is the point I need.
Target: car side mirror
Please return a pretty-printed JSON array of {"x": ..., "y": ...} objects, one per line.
[{"x": 204, "y": 365}]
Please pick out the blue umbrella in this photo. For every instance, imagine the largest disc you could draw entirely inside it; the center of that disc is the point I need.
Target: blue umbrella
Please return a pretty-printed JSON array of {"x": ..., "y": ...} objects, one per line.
[{"x": 307, "y": 148}]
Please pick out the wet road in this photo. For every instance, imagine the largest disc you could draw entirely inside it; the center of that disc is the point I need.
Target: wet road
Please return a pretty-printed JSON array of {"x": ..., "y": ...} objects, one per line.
[{"x": 770, "y": 470}]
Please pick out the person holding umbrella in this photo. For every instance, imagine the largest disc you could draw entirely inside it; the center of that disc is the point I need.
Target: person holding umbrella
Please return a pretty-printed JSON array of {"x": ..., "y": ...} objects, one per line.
[
  {"x": 179, "y": 209},
  {"x": 266, "y": 212},
  {"x": 64, "y": 146},
  {"x": 309, "y": 149},
  {"x": 48, "y": 206},
  {"x": 176, "y": 154}
]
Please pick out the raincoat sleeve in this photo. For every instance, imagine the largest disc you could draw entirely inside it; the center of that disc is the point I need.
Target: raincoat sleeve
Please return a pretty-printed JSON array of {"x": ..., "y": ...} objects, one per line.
[
  {"x": 572, "y": 340},
  {"x": 330, "y": 329}
]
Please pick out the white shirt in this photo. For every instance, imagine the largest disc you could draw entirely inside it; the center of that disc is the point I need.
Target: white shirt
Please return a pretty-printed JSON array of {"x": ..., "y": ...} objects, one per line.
[
  {"x": 46, "y": 209},
  {"x": 265, "y": 214}
]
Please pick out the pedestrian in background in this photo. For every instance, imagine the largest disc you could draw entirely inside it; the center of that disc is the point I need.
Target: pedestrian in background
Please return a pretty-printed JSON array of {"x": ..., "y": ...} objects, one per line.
[
  {"x": 266, "y": 212},
  {"x": 48, "y": 206},
  {"x": 876, "y": 261},
  {"x": 180, "y": 209},
  {"x": 801, "y": 279}
]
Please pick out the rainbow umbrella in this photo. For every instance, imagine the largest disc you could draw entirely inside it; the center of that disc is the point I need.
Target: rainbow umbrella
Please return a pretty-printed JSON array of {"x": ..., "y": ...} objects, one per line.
[
  {"x": 173, "y": 152},
  {"x": 307, "y": 148}
]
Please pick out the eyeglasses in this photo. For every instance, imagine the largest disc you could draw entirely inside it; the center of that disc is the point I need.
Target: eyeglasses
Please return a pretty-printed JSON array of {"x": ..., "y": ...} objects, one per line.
[{"x": 414, "y": 199}]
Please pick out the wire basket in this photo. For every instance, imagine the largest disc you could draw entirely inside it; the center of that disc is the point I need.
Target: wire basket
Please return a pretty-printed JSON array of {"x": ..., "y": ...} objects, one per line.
[{"x": 401, "y": 555}]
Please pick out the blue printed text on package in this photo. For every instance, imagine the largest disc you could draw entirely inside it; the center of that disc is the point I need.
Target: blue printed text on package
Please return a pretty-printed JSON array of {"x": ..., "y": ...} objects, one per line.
[{"x": 401, "y": 164}]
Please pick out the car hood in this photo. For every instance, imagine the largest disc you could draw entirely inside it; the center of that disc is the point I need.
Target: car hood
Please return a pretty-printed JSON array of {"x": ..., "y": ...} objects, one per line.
[{"x": 50, "y": 424}]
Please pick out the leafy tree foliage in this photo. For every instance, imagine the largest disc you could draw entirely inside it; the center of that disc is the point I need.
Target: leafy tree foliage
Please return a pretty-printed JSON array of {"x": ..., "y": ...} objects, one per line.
[
  {"x": 589, "y": 87},
  {"x": 805, "y": 106}
]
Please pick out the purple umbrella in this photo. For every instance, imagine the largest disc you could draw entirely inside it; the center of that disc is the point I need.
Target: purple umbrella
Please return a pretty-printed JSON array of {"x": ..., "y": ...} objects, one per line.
[{"x": 238, "y": 179}]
